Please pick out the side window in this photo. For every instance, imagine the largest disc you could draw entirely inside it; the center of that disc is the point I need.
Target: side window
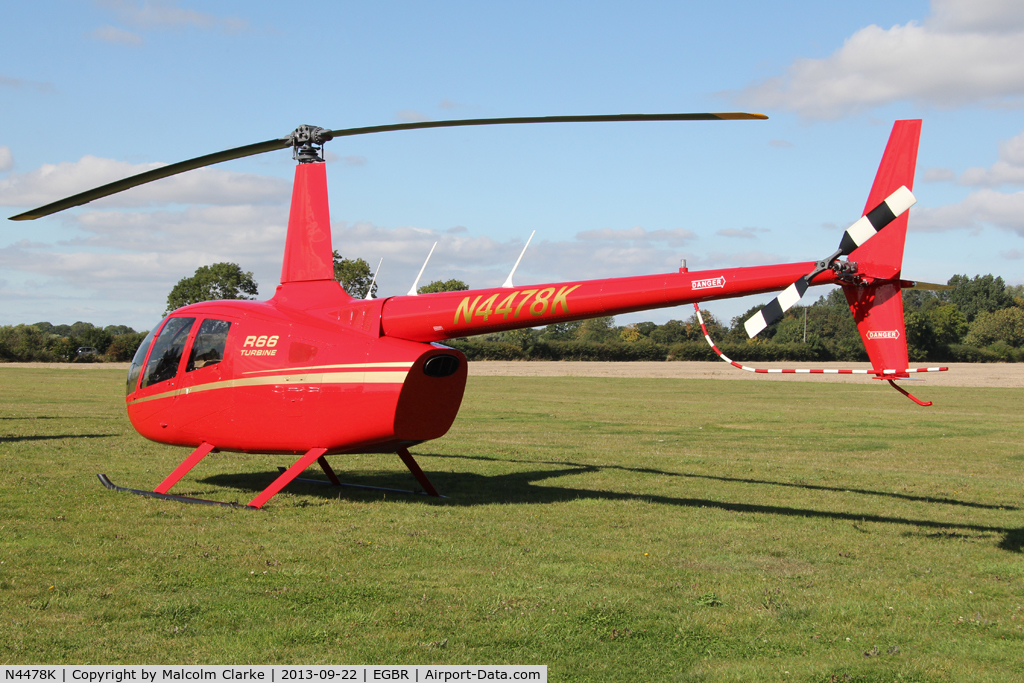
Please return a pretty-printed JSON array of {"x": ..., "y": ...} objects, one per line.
[
  {"x": 208, "y": 348},
  {"x": 167, "y": 350}
]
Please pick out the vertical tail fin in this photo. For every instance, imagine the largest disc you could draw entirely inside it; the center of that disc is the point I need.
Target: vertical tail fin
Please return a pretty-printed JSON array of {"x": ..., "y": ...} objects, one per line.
[{"x": 877, "y": 304}]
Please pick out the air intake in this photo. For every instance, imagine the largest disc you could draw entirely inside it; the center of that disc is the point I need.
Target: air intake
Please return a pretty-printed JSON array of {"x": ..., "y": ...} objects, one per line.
[{"x": 441, "y": 366}]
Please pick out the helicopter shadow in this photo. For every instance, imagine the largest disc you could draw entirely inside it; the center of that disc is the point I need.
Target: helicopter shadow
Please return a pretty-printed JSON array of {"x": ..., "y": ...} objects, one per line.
[
  {"x": 742, "y": 480},
  {"x": 525, "y": 487},
  {"x": 49, "y": 437}
]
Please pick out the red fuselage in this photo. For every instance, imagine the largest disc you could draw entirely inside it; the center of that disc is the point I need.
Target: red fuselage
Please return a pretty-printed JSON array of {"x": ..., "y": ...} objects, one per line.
[{"x": 313, "y": 368}]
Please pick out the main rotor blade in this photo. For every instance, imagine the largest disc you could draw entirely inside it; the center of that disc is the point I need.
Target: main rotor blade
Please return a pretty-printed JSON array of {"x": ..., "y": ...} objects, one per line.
[
  {"x": 150, "y": 176},
  {"x": 321, "y": 136},
  {"x": 601, "y": 118}
]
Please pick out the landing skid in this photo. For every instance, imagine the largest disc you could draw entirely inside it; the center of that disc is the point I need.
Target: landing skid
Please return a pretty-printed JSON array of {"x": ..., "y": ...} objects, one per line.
[
  {"x": 287, "y": 476},
  {"x": 167, "y": 496}
]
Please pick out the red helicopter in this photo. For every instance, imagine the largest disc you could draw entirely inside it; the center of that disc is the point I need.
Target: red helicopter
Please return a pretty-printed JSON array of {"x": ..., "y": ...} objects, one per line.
[{"x": 315, "y": 372}]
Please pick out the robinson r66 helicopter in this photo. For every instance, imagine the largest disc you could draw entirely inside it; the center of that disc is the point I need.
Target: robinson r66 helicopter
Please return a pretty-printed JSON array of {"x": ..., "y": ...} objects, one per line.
[{"x": 315, "y": 372}]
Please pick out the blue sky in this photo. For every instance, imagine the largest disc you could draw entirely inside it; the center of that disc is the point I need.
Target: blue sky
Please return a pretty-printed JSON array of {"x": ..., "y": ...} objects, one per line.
[{"x": 95, "y": 90}]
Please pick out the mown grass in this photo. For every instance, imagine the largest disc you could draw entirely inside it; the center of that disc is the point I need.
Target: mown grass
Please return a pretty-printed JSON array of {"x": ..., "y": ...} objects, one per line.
[{"x": 609, "y": 528}]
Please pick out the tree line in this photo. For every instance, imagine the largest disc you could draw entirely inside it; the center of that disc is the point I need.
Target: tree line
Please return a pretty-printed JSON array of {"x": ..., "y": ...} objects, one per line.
[{"x": 978, "y": 319}]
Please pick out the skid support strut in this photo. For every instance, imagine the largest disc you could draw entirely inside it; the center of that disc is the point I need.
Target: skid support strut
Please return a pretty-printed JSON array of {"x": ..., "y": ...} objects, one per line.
[
  {"x": 406, "y": 457},
  {"x": 182, "y": 469},
  {"x": 289, "y": 474}
]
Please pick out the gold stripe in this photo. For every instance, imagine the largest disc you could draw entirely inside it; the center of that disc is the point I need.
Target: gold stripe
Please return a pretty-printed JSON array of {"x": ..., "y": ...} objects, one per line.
[
  {"x": 316, "y": 378},
  {"x": 389, "y": 364}
]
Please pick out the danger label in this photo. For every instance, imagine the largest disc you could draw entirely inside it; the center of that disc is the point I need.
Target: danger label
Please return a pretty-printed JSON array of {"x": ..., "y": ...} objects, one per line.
[
  {"x": 883, "y": 334},
  {"x": 709, "y": 283}
]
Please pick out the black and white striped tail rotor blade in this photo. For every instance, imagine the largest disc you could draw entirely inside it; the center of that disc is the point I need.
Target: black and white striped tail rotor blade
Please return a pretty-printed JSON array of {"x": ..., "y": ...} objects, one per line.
[
  {"x": 777, "y": 307},
  {"x": 877, "y": 218},
  {"x": 856, "y": 235}
]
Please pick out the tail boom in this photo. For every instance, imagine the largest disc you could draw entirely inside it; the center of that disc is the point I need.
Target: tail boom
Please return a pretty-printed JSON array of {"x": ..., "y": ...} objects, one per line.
[{"x": 447, "y": 315}]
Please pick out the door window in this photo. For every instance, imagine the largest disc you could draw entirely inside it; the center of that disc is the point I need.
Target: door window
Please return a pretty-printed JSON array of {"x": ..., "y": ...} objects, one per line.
[{"x": 208, "y": 348}]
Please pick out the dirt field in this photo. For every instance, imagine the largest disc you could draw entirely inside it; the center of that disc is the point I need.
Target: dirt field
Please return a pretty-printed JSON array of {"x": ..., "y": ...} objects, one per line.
[{"x": 959, "y": 374}]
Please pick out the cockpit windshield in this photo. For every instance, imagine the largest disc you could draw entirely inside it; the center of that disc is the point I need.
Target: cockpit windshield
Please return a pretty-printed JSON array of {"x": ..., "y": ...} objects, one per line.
[
  {"x": 139, "y": 359},
  {"x": 166, "y": 356}
]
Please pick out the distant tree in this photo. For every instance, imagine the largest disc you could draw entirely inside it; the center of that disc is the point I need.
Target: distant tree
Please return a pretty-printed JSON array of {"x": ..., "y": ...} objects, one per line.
[
  {"x": 521, "y": 338},
  {"x": 829, "y": 319},
  {"x": 354, "y": 275},
  {"x": 23, "y": 343},
  {"x": 562, "y": 331},
  {"x": 123, "y": 347},
  {"x": 114, "y": 330},
  {"x": 716, "y": 330},
  {"x": 919, "y": 334},
  {"x": 919, "y": 300},
  {"x": 790, "y": 329},
  {"x": 738, "y": 333},
  {"x": 94, "y": 337},
  {"x": 973, "y": 296},
  {"x": 948, "y": 324},
  {"x": 1016, "y": 292},
  {"x": 63, "y": 348},
  {"x": 1005, "y": 325},
  {"x": 672, "y": 332},
  {"x": 452, "y": 285},
  {"x": 597, "y": 329},
  {"x": 630, "y": 334},
  {"x": 211, "y": 283},
  {"x": 646, "y": 328}
]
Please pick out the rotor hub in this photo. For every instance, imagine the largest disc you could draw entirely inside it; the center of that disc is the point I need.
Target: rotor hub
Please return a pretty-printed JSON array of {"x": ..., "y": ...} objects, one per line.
[{"x": 307, "y": 143}]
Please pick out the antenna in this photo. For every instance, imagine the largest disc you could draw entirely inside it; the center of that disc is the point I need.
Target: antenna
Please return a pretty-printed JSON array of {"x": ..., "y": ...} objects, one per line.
[
  {"x": 412, "y": 290},
  {"x": 508, "y": 280},
  {"x": 369, "y": 290}
]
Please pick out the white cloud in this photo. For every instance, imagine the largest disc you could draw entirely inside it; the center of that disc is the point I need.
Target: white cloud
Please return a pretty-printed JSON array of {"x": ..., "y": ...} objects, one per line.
[
  {"x": 116, "y": 36},
  {"x": 160, "y": 14},
  {"x": 129, "y": 260},
  {"x": 984, "y": 207},
  {"x": 135, "y": 258},
  {"x": 637, "y": 233},
  {"x": 746, "y": 233},
  {"x": 966, "y": 52},
  {"x": 1009, "y": 170},
  {"x": 19, "y": 83},
  {"x": 939, "y": 175},
  {"x": 51, "y": 182},
  {"x": 6, "y": 159},
  {"x": 411, "y": 116},
  {"x": 986, "y": 16}
]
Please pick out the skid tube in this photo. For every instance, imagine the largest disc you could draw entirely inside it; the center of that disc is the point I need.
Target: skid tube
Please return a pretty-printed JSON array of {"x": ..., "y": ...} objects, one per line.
[{"x": 105, "y": 480}]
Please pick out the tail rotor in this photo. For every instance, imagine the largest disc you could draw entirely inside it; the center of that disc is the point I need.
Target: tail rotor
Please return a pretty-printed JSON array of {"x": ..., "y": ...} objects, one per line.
[{"x": 869, "y": 225}]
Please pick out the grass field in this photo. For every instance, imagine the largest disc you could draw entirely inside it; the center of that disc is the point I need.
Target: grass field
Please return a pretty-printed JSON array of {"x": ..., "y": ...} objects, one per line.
[{"x": 611, "y": 529}]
